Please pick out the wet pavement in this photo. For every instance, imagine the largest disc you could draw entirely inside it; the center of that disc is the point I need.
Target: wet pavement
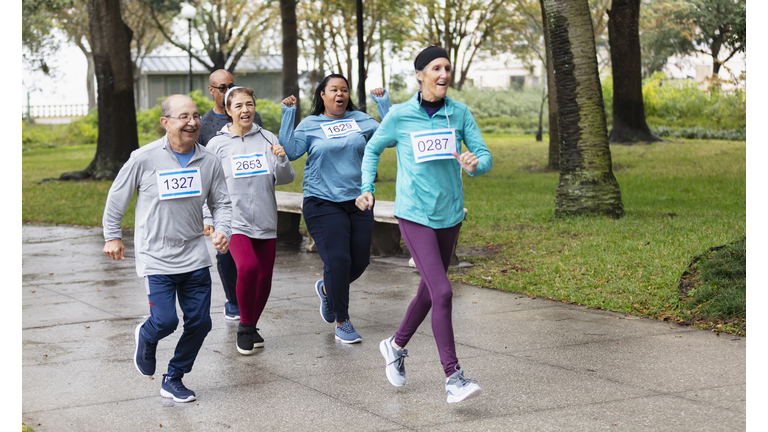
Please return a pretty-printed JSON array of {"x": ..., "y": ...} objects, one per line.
[{"x": 542, "y": 365}]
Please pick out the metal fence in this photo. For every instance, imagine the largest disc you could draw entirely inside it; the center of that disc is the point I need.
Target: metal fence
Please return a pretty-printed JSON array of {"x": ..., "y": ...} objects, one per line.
[{"x": 43, "y": 111}]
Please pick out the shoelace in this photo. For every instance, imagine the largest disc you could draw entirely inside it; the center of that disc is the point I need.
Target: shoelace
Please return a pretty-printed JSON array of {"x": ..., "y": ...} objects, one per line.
[
  {"x": 149, "y": 351},
  {"x": 462, "y": 380},
  {"x": 346, "y": 327},
  {"x": 401, "y": 355}
]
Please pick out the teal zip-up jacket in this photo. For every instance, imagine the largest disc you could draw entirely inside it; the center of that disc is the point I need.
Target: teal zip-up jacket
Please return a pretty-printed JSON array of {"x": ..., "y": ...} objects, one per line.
[
  {"x": 332, "y": 171},
  {"x": 428, "y": 193}
]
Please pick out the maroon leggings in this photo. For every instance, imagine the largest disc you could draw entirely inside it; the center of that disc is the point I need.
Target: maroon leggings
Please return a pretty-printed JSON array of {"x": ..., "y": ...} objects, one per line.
[
  {"x": 255, "y": 260},
  {"x": 431, "y": 251}
]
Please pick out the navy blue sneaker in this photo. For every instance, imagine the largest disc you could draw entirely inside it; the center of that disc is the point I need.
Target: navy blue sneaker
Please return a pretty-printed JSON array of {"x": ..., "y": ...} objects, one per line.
[
  {"x": 325, "y": 309},
  {"x": 231, "y": 312},
  {"x": 144, "y": 356},
  {"x": 174, "y": 388},
  {"x": 347, "y": 334}
]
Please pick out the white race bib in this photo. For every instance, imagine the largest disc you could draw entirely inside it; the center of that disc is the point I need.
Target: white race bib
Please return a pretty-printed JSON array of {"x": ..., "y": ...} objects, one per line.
[
  {"x": 249, "y": 165},
  {"x": 179, "y": 183},
  {"x": 340, "y": 128},
  {"x": 432, "y": 145}
]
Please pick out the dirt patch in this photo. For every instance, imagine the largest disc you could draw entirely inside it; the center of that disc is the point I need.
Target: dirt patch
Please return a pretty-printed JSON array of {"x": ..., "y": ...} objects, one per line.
[{"x": 469, "y": 252}]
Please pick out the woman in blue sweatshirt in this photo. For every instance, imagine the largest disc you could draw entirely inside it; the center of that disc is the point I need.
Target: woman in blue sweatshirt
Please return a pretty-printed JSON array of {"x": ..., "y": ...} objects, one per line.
[
  {"x": 334, "y": 136},
  {"x": 429, "y": 130}
]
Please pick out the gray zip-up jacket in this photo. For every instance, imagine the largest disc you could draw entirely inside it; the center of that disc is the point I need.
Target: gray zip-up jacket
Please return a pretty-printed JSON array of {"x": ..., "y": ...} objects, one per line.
[
  {"x": 169, "y": 233},
  {"x": 254, "y": 208}
]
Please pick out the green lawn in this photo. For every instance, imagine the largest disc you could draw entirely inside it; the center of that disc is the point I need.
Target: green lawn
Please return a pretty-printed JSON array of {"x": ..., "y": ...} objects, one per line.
[{"x": 679, "y": 198}]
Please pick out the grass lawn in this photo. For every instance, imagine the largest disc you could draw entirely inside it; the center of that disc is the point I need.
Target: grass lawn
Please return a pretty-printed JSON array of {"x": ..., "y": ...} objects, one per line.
[{"x": 680, "y": 199}]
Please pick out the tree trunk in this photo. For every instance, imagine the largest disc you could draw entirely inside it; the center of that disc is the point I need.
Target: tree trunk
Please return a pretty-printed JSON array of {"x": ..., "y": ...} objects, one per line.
[
  {"x": 361, "y": 72},
  {"x": 629, "y": 125},
  {"x": 89, "y": 74},
  {"x": 587, "y": 184},
  {"x": 290, "y": 53},
  {"x": 554, "y": 140},
  {"x": 111, "y": 49}
]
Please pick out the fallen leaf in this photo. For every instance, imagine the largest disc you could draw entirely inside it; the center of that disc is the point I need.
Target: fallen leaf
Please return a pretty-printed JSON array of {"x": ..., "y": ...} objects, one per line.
[
  {"x": 33, "y": 290},
  {"x": 87, "y": 327},
  {"x": 98, "y": 290}
]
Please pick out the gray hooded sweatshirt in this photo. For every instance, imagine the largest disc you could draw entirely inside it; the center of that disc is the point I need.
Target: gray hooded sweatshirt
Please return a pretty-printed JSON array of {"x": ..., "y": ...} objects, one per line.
[
  {"x": 169, "y": 232},
  {"x": 251, "y": 179}
]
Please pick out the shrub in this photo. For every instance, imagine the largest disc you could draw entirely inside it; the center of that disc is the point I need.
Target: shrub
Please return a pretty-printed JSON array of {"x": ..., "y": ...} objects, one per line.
[
  {"x": 722, "y": 276},
  {"x": 681, "y": 109}
]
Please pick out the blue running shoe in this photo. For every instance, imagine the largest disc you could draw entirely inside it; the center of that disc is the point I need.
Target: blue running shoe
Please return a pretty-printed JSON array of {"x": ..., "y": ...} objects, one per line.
[
  {"x": 174, "y": 388},
  {"x": 459, "y": 388},
  {"x": 395, "y": 359},
  {"x": 231, "y": 312},
  {"x": 347, "y": 334},
  {"x": 144, "y": 356},
  {"x": 325, "y": 309}
]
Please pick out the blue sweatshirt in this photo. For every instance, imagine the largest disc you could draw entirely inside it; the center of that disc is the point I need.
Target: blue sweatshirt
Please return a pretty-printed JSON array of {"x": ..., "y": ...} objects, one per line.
[
  {"x": 332, "y": 171},
  {"x": 428, "y": 193}
]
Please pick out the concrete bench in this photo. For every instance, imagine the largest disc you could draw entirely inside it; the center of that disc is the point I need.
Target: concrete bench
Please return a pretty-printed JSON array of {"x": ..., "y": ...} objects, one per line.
[{"x": 385, "y": 239}]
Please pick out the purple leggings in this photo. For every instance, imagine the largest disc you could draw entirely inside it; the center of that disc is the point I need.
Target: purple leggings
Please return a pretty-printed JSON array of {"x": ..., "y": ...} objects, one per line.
[
  {"x": 431, "y": 251},
  {"x": 255, "y": 260}
]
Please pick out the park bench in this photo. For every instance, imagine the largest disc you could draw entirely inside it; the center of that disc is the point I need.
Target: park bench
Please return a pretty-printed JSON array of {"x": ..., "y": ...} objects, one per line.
[{"x": 385, "y": 239}]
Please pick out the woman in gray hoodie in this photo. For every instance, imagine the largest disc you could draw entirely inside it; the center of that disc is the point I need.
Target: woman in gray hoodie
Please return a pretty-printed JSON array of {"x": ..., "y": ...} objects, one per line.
[{"x": 254, "y": 163}]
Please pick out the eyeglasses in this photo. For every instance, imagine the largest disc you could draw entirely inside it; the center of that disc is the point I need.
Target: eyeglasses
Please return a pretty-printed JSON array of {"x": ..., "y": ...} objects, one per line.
[
  {"x": 223, "y": 88},
  {"x": 186, "y": 117}
]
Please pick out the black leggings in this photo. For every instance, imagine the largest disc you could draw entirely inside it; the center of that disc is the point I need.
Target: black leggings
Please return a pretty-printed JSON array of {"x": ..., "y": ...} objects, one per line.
[{"x": 342, "y": 233}]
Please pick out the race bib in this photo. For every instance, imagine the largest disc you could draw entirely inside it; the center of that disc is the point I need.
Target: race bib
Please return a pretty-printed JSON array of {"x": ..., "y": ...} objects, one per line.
[
  {"x": 179, "y": 183},
  {"x": 340, "y": 128},
  {"x": 433, "y": 144},
  {"x": 249, "y": 165}
]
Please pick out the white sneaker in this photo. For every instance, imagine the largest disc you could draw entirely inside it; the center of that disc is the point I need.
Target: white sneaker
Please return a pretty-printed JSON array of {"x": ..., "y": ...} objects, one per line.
[
  {"x": 395, "y": 359},
  {"x": 459, "y": 388}
]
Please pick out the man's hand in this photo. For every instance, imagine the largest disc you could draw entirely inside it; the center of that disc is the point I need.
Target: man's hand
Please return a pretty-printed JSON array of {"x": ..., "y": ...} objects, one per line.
[
  {"x": 468, "y": 161},
  {"x": 365, "y": 201},
  {"x": 220, "y": 242},
  {"x": 207, "y": 230},
  {"x": 114, "y": 249}
]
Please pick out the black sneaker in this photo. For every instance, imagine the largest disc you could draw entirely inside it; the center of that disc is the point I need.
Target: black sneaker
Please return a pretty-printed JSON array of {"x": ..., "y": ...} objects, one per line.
[
  {"x": 174, "y": 388},
  {"x": 245, "y": 336},
  {"x": 144, "y": 356},
  {"x": 258, "y": 341}
]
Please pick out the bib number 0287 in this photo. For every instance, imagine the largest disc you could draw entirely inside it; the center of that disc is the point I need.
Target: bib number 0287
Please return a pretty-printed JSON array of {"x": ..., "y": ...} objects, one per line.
[{"x": 433, "y": 144}]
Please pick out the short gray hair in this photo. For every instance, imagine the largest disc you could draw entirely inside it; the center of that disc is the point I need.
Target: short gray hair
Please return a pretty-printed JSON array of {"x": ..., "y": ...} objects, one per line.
[{"x": 168, "y": 104}]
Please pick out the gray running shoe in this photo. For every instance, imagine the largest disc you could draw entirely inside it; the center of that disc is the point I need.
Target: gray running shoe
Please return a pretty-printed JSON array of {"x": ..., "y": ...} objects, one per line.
[
  {"x": 395, "y": 359},
  {"x": 459, "y": 388}
]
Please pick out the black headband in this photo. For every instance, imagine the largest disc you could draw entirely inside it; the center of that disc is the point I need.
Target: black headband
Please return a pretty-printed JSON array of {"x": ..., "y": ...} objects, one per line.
[{"x": 425, "y": 57}]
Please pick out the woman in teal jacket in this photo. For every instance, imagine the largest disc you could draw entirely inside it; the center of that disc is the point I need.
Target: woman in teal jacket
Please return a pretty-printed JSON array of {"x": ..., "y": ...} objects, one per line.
[{"x": 429, "y": 130}]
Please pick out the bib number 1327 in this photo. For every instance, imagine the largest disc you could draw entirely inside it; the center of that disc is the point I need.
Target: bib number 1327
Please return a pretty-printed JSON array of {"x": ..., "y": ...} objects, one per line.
[
  {"x": 179, "y": 183},
  {"x": 433, "y": 144}
]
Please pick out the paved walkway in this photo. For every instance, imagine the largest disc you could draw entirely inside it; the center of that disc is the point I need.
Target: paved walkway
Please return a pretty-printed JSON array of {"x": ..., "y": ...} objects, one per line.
[{"x": 542, "y": 365}]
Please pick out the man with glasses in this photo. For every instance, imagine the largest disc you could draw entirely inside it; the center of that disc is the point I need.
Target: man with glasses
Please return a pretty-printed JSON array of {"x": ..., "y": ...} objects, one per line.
[
  {"x": 218, "y": 83},
  {"x": 173, "y": 176}
]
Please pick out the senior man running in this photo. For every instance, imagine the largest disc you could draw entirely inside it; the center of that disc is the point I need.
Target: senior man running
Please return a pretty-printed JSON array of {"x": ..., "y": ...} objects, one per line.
[{"x": 174, "y": 176}]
